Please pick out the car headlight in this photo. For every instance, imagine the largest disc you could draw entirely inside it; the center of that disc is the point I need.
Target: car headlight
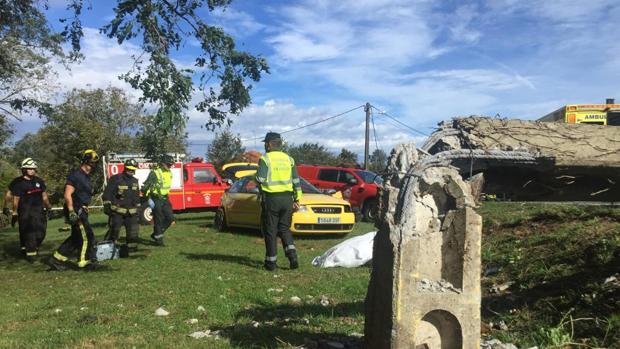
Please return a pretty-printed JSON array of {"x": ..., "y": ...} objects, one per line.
[
  {"x": 303, "y": 208},
  {"x": 347, "y": 208}
]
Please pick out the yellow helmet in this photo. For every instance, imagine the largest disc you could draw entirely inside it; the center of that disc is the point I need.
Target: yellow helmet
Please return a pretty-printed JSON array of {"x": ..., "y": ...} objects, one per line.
[
  {"x": 131, "y": 164},
  {"x": 90, "y": 157},
  {"x": 29, "y": 163}
]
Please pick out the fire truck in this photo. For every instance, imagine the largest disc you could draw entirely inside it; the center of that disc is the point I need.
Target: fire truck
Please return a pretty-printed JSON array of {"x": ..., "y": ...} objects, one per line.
[{"x": 196, "y": 185}]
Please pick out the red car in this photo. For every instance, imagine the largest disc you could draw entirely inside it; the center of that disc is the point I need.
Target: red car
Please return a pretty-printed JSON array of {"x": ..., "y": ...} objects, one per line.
[{"x": 358, "y": 186}]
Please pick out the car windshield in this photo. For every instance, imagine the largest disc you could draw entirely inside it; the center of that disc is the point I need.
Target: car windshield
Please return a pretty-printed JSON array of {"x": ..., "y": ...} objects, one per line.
[
  {"x": 308, "y": 188},
  {"x": 370, "y": 177},
  {"x": 246, "y": 184}
]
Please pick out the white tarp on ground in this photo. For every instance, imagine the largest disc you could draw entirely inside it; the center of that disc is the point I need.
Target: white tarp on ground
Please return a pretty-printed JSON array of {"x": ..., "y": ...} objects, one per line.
[{"x": 350, "y": 253}]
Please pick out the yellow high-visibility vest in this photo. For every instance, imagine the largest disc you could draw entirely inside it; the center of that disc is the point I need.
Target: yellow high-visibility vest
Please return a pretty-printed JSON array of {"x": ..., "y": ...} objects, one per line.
[
  {"x": 279, "y": 172},
  {"x": 164, "y": 181}
]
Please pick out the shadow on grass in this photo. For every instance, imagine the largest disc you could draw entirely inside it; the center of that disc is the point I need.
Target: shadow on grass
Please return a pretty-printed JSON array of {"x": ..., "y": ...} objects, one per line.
[
  {"x": 257, "y": 233},
  {"x": 224, "y": 258},
  {"x": 564, "y": 216},
  {"x": 561, "y": 295},
  {"x": 182, "y": 218},
  {"x": 11, "y": 253},
  {"x": 281, "y": 325}
]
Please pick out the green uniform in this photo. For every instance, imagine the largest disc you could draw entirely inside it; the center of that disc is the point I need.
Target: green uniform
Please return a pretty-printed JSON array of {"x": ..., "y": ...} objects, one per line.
[
  {"x": 280, "y": 187},
  {"x": 157, "y": 186}
]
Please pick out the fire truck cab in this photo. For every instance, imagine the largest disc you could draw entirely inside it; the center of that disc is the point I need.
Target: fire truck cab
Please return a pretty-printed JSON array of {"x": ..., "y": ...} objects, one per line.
[{"x": 196, "y": 185}]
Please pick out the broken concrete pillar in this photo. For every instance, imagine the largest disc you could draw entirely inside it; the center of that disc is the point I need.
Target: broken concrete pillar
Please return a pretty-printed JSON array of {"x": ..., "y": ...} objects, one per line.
[{"x": 424, "y": 291}]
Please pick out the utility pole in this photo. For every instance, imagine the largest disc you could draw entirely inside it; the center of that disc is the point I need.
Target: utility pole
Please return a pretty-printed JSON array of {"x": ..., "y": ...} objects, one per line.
[{"x": 366, "y": 145}]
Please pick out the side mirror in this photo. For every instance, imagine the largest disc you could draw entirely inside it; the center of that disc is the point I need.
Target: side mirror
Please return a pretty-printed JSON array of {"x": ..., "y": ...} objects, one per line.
[{"x": 329, "y": 191}]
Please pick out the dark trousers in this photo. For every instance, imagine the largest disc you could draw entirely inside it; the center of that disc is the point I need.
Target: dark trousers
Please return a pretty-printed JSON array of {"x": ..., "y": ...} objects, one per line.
[
  {"x": 276, "y": 215},
  {"x": 162, "y": 215},
  {"x": 32, "y": 228},
  {"x": 129, "y": 221},
  {"x": 82, "y": 240}
]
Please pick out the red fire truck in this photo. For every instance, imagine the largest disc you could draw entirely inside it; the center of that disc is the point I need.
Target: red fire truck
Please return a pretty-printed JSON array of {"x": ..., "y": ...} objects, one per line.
[{"x": 196, "y": 185}]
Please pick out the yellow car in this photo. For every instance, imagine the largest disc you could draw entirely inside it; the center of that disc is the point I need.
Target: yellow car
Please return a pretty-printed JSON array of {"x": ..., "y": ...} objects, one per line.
[{"x": 319, "y": 213}]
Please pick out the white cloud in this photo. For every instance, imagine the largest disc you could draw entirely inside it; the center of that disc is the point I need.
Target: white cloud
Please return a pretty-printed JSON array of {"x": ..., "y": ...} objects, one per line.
[
  {"x": 346, "y": 131},
  {"x": 104, "y": 62},
  {"x": 237, "y": 23}
]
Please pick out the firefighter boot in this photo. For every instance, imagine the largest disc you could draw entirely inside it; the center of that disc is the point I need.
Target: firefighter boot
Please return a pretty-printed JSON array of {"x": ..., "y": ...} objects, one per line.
[
  {"x": 123, "y": 251},
  {"x": 56, "y": 265},
  {"x": 292, "y": 258},
  {"x": 270, "y": 266},
  {"x": 159, "y": 241}
]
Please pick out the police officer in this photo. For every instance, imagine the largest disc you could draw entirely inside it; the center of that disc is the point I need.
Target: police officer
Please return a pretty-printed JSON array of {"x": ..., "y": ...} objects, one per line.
[
  {"x": 31, "y": 201},
  {"x": 78, "y": 194},
  {"x": 280, "y": 193},
  {"x": 121, "y": 198},
  {"x": 156, "y": 188}
]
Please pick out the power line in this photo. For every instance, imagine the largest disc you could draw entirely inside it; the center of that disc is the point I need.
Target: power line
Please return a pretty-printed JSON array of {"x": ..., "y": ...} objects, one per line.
[
  {"x": 374, "y": 130},
  {"x": 403, "y": 124},
  {"x": 295, "y": 129},
  {"x": 312, "y": 124}
]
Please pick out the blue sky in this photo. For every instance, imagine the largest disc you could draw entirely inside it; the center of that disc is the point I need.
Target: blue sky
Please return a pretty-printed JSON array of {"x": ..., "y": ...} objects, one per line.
[{"x": 419, "y": 61}]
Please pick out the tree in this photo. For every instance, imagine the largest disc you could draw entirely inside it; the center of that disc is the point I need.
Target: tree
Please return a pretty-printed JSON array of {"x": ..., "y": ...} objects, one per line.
[
  {"x": 27, "y": 47},
  {"x": 378, "y": 161},
  {"x": 311, "y": 154},
  {"x": 346, "y": 157},
  {"x": 161, "y": 27},
  {"x": 103, "y": 120},
  {"x": 225, "y": 148},
  {"x": 164, "y": 26}
]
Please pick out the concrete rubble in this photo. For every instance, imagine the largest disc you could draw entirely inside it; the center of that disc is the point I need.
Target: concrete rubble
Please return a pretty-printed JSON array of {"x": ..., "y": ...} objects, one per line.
[
  {"x": 424, "y": 290},
  {"x": 532, "y": 160}
]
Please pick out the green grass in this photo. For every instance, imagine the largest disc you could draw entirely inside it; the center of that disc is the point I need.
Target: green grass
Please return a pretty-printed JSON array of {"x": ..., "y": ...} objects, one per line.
[
  {"x": 198, "y": 267},
  {"x": 557, "y": 257}
]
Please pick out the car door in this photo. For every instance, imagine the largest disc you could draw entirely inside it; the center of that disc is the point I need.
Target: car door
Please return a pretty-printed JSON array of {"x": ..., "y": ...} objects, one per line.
[
  {"x": 242, "y": 204},
  {"x": 327, "y": 179},
  {"x": 250, "y": 204},
  {"x": 347, "y": 178},
  {"x": 201, "y": 187}
]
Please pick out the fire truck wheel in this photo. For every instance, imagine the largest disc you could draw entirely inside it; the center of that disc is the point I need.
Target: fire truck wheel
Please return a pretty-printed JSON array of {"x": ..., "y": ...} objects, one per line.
[
  {"x": 146, "y": 215},
  {"x": 219, "y": 222}
]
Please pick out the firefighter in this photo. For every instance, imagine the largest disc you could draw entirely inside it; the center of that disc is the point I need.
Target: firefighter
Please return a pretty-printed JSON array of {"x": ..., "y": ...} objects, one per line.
[
  {"x": 156, "y": 188},
  {"x": 78, "y": 194},
  {"x": 121, "y": 198},
  {"x": 30, "y": 202},
  {"x": 280, "y": 193}
]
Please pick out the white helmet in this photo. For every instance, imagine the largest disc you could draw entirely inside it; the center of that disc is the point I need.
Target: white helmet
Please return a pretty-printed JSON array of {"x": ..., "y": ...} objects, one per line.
[{"x": 29, "y": 163}]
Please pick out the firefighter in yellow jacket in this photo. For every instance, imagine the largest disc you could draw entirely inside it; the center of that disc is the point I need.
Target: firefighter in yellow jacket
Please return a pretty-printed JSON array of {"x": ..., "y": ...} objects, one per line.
[
  {"x": 280, "y": 193},
  {"x": 156, "y": 189},
  {"x": 121, "y": 198}
]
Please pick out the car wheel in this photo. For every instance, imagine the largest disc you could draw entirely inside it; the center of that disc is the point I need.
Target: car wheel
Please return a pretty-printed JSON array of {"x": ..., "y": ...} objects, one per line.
[
  {"x": 145, "y": 215},
  {"x": 219, "y": 222},
  {"x": 370, "y": 210}
]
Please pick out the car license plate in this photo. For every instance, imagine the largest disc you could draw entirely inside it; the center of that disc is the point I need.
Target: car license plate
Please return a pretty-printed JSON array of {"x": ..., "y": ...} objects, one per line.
[{"x": 329, "y": 220}]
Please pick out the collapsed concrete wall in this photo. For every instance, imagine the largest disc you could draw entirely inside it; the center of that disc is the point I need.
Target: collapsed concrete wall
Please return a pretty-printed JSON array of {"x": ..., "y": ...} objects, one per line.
[
  {"x": 533, "y": 160},
  {"x": 424, "y": 290},
  {"x": 569, "y": 144}
]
